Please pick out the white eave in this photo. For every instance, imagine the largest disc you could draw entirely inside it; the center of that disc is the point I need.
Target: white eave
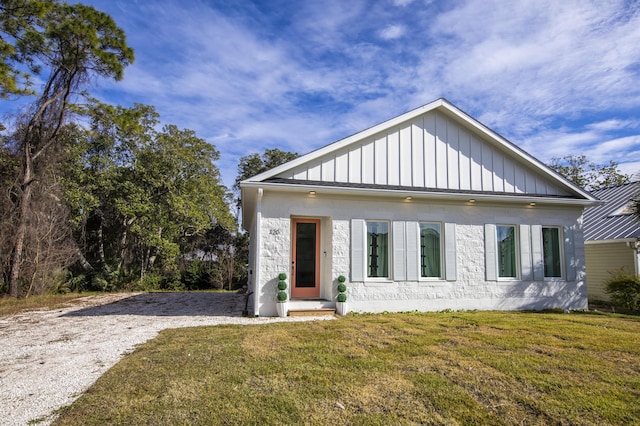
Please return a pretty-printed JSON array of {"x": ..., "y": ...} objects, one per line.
[{"x": 425, "y": 194}]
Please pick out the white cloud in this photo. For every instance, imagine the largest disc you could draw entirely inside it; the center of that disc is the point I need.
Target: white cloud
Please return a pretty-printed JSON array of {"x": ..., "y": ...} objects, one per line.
[
  {"x": 632, "y": 169},
  {"x": 402, "y": 3},
  {"x": 613, "y": 124},
  {"x": 535, "y": 59},
  {"x": 392, "y": 32}
]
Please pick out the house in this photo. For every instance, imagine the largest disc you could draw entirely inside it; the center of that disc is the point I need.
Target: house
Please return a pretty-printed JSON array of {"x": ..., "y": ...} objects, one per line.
[
  {"x": 427, "y": 211},
  {"x": 612, "y": 235}
]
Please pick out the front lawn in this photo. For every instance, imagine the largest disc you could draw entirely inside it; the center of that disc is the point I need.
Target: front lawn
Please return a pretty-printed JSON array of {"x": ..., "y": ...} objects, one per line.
[{"x": 443, "y": 368}]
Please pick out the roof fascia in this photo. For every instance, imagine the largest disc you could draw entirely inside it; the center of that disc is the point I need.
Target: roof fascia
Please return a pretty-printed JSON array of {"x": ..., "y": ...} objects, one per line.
[
  {"x": 618, "y": 240},
  {"x": 423, "y": 195}
]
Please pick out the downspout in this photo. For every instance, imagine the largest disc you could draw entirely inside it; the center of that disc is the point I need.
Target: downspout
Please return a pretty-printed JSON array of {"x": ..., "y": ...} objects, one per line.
[
  {"x": 636, "y": 257},
  {"x": 256, "y": 263},
  {"x": 635, "y": 246}
]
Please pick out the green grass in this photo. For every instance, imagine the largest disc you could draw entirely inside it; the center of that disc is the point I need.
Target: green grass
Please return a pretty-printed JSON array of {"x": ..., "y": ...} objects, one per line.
[
  {"x": 11, "y": 306},
  {"x": 447, "y": 368}
]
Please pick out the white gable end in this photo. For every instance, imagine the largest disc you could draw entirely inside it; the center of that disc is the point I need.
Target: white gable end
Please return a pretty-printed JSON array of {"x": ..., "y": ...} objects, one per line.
[{"x": 432, "y": 151}]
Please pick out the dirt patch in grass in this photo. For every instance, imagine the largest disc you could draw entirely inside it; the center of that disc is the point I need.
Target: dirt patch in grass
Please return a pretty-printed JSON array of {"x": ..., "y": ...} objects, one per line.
[{"x": 11, "y": 306}]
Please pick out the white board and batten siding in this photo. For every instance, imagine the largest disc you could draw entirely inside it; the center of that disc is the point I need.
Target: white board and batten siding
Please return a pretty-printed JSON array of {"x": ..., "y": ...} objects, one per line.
[{"x": 429, "y": 151}]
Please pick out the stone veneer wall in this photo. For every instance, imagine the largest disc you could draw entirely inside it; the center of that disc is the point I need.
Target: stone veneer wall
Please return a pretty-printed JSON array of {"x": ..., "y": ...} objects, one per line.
[{"x": 469, "y": 291}]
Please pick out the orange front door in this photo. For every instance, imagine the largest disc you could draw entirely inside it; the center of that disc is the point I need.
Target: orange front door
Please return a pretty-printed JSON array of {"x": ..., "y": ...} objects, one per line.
[{"x": 305, "y": 262}]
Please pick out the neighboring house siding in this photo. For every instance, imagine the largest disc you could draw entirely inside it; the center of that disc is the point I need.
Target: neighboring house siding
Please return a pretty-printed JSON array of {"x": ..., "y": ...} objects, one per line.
[
  {"x": 430, "y": 151},
  {"x": 608, "y": 229},
  {"x": 602, "y": 259},
  {"x": 464, "y": 287}
]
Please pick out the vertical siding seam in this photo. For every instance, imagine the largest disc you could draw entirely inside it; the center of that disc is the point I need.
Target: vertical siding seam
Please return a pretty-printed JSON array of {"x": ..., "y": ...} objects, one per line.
[
  {"x": 493, "y": 169},
  {"x": 470, "y": 163},
  {"x": 424, "y": 150},
  {"x": 459, "y": 161},
  {"x": 335, "y": 166},
  {"x": 360, "y": 160},
  {"x": 388, "y": 145},
  {"x": 435, "y": 149},
  {"x": 375, "y": 163},
  {"x": 447, "y": 141},
  {"x": 411, "y": 152},
  {"x": 349, "y": 154},
  {"x": 481, "y": 168},
  {"x": 515, "y": 177},
  {"x": 504, "y": 174}
]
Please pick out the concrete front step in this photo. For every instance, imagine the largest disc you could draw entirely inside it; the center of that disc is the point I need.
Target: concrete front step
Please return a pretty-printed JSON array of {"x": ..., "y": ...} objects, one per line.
[{"x": 311, "y": 312}]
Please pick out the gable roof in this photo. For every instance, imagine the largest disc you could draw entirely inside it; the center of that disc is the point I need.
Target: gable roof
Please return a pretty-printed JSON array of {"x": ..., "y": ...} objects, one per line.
[
  {"x": 613, "y": 220},
  {"x": 433, "y": 151}
]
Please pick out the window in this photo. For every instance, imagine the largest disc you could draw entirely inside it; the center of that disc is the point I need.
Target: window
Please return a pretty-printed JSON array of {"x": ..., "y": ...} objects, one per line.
[
  {"x": 551, "y": 252},
  {"x": 377, "y": 249},
  {"x": 430, "y": 248},
  {"x": 506, "y": 251}
]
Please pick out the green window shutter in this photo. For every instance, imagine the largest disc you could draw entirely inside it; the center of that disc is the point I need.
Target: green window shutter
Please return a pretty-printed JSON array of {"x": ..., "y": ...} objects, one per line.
[
  {"x": 413, "y": 253},
  {"x": 399, "y": 257},
  {"x": 450, "y": 260},
  {"x": 491, "y": 270},
  {"x": 536, "y": 252},
  {"x": 569, "y": 253},
  {"x": 525, "y": 253},
  {"x": 358, "y": 260}
]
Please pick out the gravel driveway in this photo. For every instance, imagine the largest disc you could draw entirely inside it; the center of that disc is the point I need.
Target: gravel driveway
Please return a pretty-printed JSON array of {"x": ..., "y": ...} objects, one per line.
[{"x": 49, "y": 358}]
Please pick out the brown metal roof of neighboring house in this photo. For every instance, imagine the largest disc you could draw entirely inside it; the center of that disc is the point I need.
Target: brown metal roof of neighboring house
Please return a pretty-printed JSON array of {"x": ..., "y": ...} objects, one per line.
[{"x": 612, "y": 220}]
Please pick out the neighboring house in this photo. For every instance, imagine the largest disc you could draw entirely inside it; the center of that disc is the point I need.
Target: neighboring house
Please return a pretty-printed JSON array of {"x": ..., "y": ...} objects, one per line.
[
  {"x": 427, "y": 211},
  {"x": 611, "y": 234}
]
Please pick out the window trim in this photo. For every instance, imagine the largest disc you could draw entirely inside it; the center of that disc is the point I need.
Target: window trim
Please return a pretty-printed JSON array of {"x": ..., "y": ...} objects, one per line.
[
  {"x": 516, "y": 249},
  {"x": 388, "y": 277},
  {"x": 441, "y": 277},
  {"x": 561, "y": 253}
]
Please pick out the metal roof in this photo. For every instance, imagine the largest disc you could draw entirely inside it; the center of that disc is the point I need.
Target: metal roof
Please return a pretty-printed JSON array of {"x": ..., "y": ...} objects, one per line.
[{"x": 611, "y": 221}]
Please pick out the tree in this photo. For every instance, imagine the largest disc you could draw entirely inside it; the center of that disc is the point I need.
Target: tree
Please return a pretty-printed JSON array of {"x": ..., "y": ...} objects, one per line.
[
  {"x": 254, "y": 164},
  {"x": 140, "y": 195},
  {"x": 65, "y": 45},
  {"x": 587, "y": 174},
  {"x": 19, "y": 22}
]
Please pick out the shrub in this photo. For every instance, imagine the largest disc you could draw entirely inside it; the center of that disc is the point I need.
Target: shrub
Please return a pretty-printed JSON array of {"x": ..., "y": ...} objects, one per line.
[
  {"x": 624, "y": 290},
  {"x": 342, "y": 297},
  {"x": 282, "y": 296},
  {"x": 282, "y": 276},
  {"x": 342, "y": 288},
  {"x": 282, "y": 285},
  {"x": 196, "y": 275}
]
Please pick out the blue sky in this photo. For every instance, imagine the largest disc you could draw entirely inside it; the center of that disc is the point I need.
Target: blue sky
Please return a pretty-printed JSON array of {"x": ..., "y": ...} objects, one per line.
[{"x": 554, "y": 77}]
